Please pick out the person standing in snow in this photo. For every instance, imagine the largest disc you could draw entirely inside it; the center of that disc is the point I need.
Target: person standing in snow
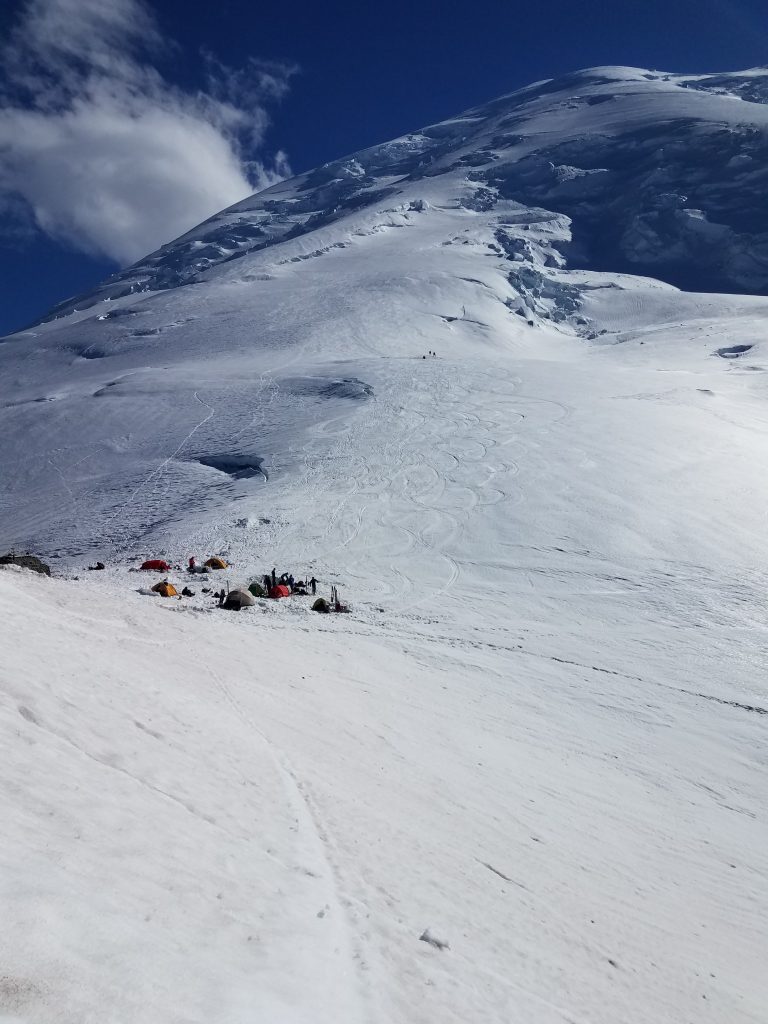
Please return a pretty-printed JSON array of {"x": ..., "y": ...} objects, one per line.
[
  {"x": 274, "y": 577},
  {"x": 313, "y": 584}
]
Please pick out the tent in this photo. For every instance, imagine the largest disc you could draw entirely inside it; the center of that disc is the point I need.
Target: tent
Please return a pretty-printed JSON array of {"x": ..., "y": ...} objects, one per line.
[
  {"x": 165, "y": 589},
  {"x": 156, "y": 565},
  {"x": 237, "y": 599},
  {"x": 216, "y": 563},
  {"x": 280, "y": 591},
  {"x": 257, "y": 590},
  {"x": 321, "y": 605}
]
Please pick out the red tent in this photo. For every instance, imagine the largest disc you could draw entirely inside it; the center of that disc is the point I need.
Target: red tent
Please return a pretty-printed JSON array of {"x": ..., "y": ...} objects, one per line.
[
  {"x": 280, "y": 591},
  {"x": 156, "y": 565}
]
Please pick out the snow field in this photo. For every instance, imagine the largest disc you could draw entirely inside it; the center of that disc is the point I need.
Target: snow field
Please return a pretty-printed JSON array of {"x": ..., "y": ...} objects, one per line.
[{"x": 216, "y": 814}]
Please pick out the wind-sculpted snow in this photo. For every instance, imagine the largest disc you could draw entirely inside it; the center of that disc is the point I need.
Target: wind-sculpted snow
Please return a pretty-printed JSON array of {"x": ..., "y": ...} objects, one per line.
[
  {"x": 751, "y": 86},
  {"x": 325, "y": 387}
]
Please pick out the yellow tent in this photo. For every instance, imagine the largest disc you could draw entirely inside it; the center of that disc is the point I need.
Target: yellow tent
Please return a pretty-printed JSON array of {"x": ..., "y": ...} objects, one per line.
[
  {"x": 216, "y": 563},
  {"x": 165, "y": 589}
]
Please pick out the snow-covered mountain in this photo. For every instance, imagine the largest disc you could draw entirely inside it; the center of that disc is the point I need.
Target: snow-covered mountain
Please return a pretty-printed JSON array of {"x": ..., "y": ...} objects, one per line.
[
  {"x": 539, "y": 734},
  {"x": 659, "y": 173},
  {"x": 488, "y": 217}
]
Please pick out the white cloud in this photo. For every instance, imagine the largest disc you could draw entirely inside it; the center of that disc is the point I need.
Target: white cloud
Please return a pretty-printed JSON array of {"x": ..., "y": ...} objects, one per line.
[{"x": 108, "y": 155}]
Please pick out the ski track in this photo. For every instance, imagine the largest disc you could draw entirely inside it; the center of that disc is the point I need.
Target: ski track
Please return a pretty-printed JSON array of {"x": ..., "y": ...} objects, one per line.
[
  {"x": 319, "y": 863},
  {"x": 159, "y": 469}
]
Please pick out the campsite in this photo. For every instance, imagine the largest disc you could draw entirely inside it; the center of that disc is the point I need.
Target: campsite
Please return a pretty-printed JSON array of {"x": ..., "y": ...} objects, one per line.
[
  {"x": 275, "y": 587},
  {"x": 212, "y": 580}
]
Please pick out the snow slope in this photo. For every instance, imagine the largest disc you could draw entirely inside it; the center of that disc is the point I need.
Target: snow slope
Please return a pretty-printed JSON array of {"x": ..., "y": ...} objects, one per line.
[
  {"x": 255, "y": 820},
  {"x": 540, "y": 734}
]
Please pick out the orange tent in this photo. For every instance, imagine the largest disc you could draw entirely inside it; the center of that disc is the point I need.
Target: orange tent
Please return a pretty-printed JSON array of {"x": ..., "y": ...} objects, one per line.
[
  {"x": 280, "y": 591},
  {"x": 165, "y": 589},
  {"x": 216, "y": 563},
  {"x": 156, "y": 565}
]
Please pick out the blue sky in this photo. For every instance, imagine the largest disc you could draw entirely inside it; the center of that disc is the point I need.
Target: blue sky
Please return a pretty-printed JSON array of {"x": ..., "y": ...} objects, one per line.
[{"x": 120, "y": 130}]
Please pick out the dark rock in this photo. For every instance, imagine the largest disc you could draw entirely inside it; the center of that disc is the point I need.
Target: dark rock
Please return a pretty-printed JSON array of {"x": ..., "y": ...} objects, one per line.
[{"x": 27, "y": 562}]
